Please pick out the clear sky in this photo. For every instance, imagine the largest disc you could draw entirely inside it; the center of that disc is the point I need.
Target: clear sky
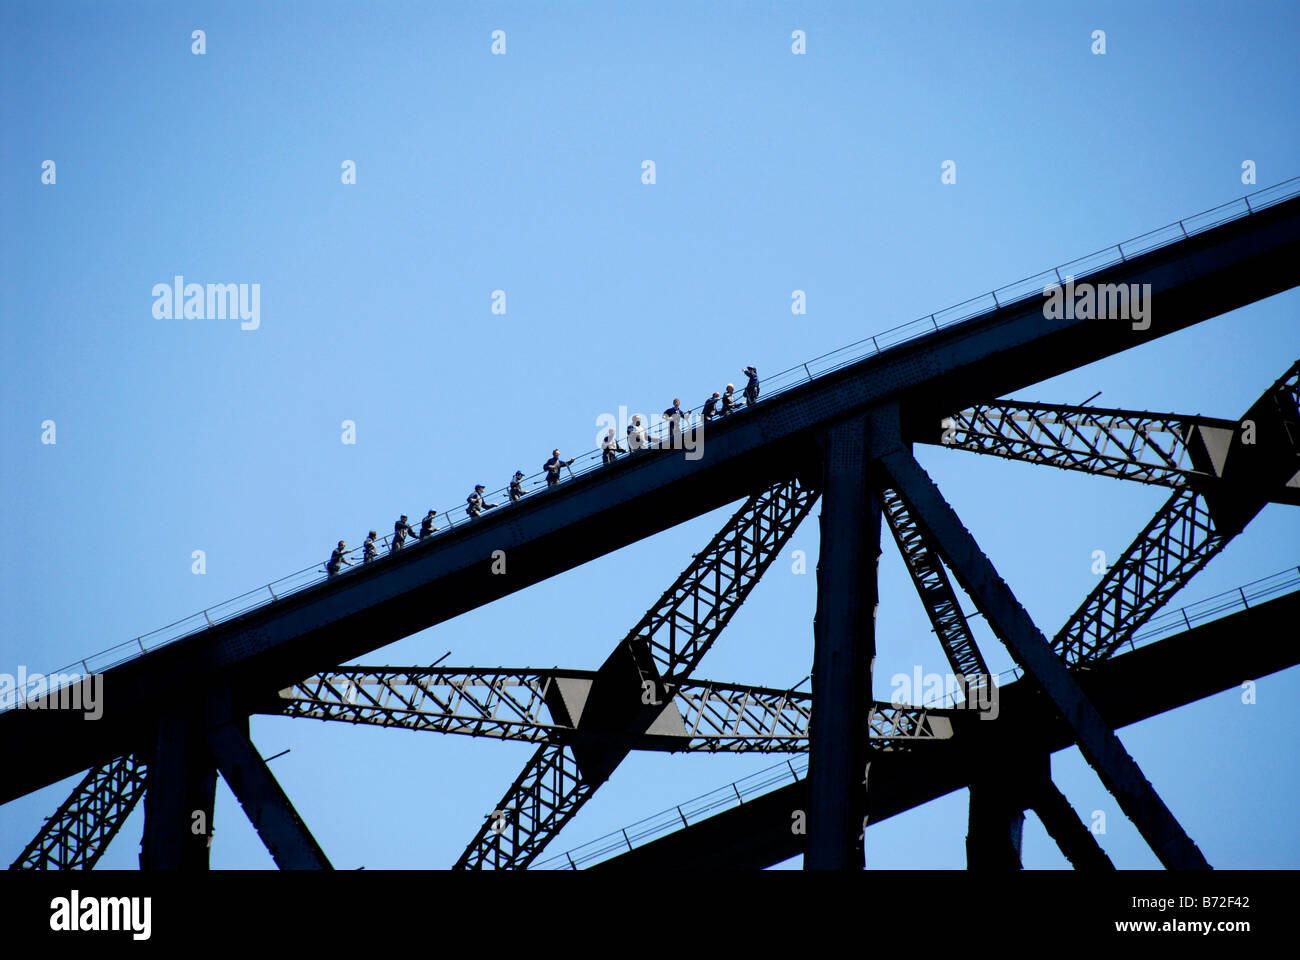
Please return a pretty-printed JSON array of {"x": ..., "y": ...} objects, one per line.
[{"x": 522, "y": 172}]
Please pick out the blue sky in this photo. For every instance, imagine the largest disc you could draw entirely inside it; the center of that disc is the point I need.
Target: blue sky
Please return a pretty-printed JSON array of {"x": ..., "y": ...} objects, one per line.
[{"x": 523, "y": 173}]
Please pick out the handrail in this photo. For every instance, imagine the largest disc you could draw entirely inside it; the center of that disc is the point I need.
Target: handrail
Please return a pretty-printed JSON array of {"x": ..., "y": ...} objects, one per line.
[
  {"x": 774, "y": 385},
  {"x": 726, "y": 797}
]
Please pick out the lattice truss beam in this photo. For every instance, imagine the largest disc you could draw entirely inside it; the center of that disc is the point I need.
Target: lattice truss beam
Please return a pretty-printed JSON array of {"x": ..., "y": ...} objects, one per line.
[
  {"x": 679, "y": 629},
  {"x": 1165, "y": 449},
  {"x": 511, "y": 705},
  {"x": 80, "y": 830},
  {"x": 664, "y": 647},
  {"x": 1189, "y": 530},
  {"x": 1145, "y": 447},
  {"x": 935, "y": 590},
  {"x": 1178, "y": 542},
  {"x": 1222, "y": 477}
]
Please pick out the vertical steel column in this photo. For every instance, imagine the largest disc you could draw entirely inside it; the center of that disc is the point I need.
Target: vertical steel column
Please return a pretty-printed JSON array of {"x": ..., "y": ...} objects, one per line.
[
  {"x": 844, "y": 636},
  {"x": 179, "y": 796},
  {"x": 995, "y": 828},
  {"x": 998, "y": 797}
]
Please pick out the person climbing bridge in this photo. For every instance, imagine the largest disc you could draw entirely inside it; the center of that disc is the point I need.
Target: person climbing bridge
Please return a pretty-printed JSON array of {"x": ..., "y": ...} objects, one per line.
[
  {"x": 476, "y": 502},
  {"x": 401, "y": 530},
  {"x": 729, "y": 399},
  {"x": 552, "y": 467},
  {"x": 517, "y": 486},
  {"x": 751, "y": 388},
  {"x": 337, "y": 557},
  {"x": 609, "y": 448}
]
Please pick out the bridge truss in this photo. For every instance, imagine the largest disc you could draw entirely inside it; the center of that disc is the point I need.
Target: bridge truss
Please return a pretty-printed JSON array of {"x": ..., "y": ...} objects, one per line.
[{"x": 646, "y": 695}]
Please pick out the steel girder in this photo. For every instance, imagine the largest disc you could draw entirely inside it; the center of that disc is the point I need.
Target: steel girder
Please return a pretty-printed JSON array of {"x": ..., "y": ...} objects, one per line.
[
  {"x": 81, "y": 829},
  {"x": 996, "y": 815},
  {"x": 1127, "y": 444},
  {"x": 1074, "y": 839},
  {"x": 1097, "y": 741},
  {"x": 993, "y": 353},
  {"x": 844, "y": 649},
  {"x": 933, "y": 587},
  {"x": 1178, "y": 542},
  {"x": 661, "y": 651},
  {"x": 1218, "y": 489},
  {"x": 544, "y": 797},
  {"x": 1151, "y": 448},
  {"x": 680, "y": 628},
  {"x": 1183, "y": 536},
  {"x": 1163, "y": 449},
  {"x": 1207, "y": 659},
  {"x": 502, "y": 703},
  {"x": 508, "y": 705},
  {"x": 273, "y": 816}
]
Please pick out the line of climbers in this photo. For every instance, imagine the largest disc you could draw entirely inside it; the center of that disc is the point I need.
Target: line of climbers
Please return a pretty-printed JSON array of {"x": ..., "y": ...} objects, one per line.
[{"x": 718, "y": 405}]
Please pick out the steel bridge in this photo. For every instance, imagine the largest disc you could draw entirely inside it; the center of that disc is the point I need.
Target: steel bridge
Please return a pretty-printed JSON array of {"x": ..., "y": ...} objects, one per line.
[{"x": 843, "y": 437}]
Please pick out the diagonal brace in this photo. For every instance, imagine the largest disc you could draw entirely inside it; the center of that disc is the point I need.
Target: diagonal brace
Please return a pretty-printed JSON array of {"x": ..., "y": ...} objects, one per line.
[
  {"x": 264, "y": 801},
  {"x": 1098, "y": 743},
  {"x": 81, "y": 829},
  {"x": 1064, "y": 826}
]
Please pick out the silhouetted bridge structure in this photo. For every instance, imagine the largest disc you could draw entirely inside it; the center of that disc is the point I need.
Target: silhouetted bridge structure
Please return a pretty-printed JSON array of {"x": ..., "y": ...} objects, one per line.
[{"x": 843, "y": 436}]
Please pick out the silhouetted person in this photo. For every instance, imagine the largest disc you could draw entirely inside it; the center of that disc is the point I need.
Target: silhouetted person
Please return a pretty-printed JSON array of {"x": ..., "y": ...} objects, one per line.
[
  {"x": 337, "y": 557},
  {"x": 751, "y": 388},
  {"x": 476, "y": 502},
  {"x": 517, "y": 486},
  {"x": 426, "y": 525},
  {"x": 710, "y": 407},
  {"x": 729, "y": 399},
  {"x": 609, "y": 448},
  {"x": 636, "y": 439},
  {"x": 401, "y": 530},
  {"x": 674, "y": 416},
  {"x": 552, "y": 467},
  {"x": 369, "y": 549}
]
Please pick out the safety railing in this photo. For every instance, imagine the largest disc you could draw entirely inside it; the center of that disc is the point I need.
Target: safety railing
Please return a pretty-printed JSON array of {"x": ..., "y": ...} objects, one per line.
[
  {"x": 682, "y": 815},
  {"x": 790, "y": 771},
  {"x": 657, "y": 431}
]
